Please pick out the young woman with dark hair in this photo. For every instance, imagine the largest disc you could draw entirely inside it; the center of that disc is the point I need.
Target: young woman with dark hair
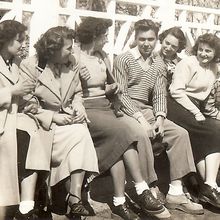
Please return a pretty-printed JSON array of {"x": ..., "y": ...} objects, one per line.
[
  {"x": 20, "y": 142},
  {"x": 117, "y": 140},
  {"x": 191, "y": 84},
  {"x": 172, "y": 41},
  {"x": 62, "y": 115}
]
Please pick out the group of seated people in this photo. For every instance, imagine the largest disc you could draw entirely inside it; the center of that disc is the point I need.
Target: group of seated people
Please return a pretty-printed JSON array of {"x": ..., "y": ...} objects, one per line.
[{"x": 67, "y": 117}]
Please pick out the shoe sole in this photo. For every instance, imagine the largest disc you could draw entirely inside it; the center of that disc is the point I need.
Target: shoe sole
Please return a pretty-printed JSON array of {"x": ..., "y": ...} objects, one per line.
[
  {"x": 182, "y": 208},
  {"x": 118, "y": 217},
  {"x": 153, "y": 212},
  {"x": 207, "y": 200}
]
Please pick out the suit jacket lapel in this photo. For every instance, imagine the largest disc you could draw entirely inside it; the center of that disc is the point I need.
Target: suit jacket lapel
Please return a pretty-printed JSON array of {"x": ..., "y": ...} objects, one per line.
[
  {"x": 47, "y": 78},
  {"x": 67, "y": 76},
  {"x": 10, "y": 75}
]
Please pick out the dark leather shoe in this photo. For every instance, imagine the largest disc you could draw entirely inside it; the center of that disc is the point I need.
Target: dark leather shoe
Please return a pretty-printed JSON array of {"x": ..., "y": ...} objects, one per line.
[
  {"x": 78, "y": 209},
  {"x": 158, "y": 194},
  {"x": 149, "y": 203},
  {"x": 210, "y": 195},
  {"x": 31, "y": 215},
  {"x": 124, "y": 212},
  {"x": 44, "y": 215}
]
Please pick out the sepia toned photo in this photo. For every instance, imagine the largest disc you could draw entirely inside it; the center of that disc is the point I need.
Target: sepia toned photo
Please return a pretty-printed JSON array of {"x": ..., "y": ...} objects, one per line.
[{"x": 109, "y": 109}]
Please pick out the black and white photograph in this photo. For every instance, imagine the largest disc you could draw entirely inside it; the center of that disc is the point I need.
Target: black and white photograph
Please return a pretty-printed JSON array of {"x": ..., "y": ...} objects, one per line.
[{"x": 109, "y": 109}]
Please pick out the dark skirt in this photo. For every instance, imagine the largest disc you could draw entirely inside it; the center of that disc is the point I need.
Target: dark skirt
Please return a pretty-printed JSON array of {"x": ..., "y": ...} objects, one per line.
[
  {"x": 111, "y": 137},
  {"x": 204, "y": 136}
]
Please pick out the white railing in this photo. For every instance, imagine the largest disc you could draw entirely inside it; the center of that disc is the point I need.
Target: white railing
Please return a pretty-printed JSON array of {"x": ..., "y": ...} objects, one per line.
[{"x": 48, "y": 13}]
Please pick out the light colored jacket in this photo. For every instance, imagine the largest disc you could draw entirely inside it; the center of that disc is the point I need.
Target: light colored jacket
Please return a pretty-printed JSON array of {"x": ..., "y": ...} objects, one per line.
[
  {"x": 10, "y": 120},
  {"x": 51, "y": 98}
]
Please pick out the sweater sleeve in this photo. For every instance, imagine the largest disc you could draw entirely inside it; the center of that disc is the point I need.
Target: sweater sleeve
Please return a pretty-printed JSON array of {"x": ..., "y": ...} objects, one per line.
[
  {"x": 159, "y": 97},
  {"x": 210, "y": 109},
  {"x": 181, "y": 78},
  {"x": 121, "y": 72}
]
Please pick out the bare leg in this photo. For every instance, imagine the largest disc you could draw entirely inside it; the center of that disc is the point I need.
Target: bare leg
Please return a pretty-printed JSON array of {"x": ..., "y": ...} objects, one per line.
[
  {"x": 201, "y": 166},
  {"x": 132, "y": 162},
  {"x": 118, "y": 177},
  {"x": 212, "y": 165},
  {"x": 28, "y": 186},
  {"x": 76, "y": 181}
]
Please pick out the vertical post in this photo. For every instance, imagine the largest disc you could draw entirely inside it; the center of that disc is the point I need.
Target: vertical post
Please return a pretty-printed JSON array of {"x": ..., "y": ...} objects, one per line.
[
  {"x": 17, "y": 8},
  {"x": 45, "y": 16},
  {"x": 74, "y": 18},
  {"x": 110, "y": 45},
  {"x": 166, "y": 13}
]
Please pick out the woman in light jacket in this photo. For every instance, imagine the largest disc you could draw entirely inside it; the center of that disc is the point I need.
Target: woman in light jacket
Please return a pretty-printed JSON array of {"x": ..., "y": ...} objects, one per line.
[
  {"x": 62, "y": 114},
  {"x": 14, "y": 157}
]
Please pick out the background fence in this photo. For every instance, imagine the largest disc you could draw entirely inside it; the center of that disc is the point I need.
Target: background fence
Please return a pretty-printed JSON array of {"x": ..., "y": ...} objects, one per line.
[{"x": 39, "y": 15}]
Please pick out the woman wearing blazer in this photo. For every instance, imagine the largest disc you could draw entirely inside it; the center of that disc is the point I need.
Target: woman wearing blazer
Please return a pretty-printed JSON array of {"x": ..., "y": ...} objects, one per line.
[
  {"x": 61, "y": 113},
  {"x": 17, "y": 160}
]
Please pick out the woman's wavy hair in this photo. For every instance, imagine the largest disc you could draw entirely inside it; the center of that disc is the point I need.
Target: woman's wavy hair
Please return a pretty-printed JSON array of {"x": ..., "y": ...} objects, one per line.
[
  {"x": 212, "y": 40},
  {"x": 90, "y": 28},
  {"x": 146, "y": 25},
  {"x": 52, "y": 41},
  {"x": 177, "y": 33},
  {"x": 9, "y": 29}
]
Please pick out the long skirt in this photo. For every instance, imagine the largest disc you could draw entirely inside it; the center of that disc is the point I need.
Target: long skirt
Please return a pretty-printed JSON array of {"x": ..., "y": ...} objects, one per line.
[
  {"x": 72, "y": 150},
  {"x": 204, "y": 136},
  {"x": 111, "y": 137}
]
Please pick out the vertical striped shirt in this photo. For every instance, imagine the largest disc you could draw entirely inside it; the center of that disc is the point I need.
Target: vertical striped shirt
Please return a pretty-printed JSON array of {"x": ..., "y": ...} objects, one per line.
[{"x": 141, "y": 82}]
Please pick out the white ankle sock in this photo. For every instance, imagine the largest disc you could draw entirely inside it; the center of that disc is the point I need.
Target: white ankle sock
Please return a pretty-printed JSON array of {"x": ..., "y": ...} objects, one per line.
[
  {"x": 26, "y": 206},
  {"x": 175, "y": 190},
  {"x": 140, "y": 187},
  {"x": 118, "y": 200}
]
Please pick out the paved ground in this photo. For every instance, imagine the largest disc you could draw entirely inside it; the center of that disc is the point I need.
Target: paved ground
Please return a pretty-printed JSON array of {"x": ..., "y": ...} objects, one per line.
[
  {"x": 103, "y": 211},
  {"x": 101, "y": 196}
]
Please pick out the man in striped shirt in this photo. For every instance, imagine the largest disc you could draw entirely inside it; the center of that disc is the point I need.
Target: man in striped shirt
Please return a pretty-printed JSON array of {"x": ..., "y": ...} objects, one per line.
[{"x": 140, "y": 73}]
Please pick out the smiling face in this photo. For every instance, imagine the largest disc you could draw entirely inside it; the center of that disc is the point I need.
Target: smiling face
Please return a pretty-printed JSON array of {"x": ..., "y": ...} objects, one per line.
[
  {"x": 169, "y": 46},
  {"x": 62, "y": 56},
  {"x": 146, "y": 41},
  {"x": 205, "y": 53}
]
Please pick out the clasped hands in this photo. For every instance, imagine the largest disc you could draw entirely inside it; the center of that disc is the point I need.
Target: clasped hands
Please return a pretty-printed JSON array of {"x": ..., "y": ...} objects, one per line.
[
  {"x": 78, "y": 117},
  {"x": 155, "y": 130}
]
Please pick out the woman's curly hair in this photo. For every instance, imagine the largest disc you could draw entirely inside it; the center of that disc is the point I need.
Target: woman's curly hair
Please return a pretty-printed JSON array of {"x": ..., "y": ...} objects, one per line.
[
  {"x": 177, "y": 33},
  {"x": 212, "y": 40},
  {"x": 90, "y": 28},
  {"x": 9, "y": 29},
  {"x": 52, "y": 41}
]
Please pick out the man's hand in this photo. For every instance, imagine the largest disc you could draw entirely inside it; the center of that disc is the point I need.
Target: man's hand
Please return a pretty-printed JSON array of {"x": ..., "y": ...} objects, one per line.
[
  {"x": 113, "y": 88},
  {"x": 23, "y": 88},
  {"x": 148, "y": 128},
  {"x": 159, "y": 126}
]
